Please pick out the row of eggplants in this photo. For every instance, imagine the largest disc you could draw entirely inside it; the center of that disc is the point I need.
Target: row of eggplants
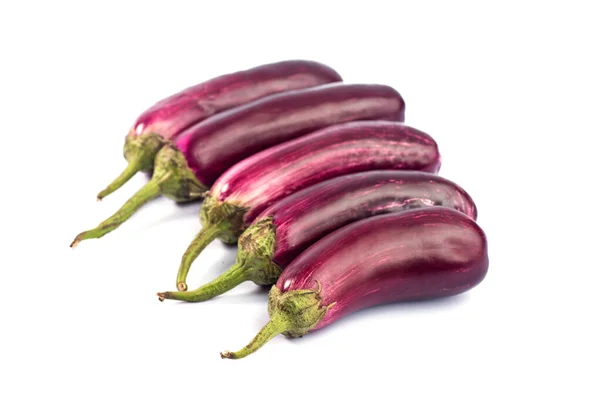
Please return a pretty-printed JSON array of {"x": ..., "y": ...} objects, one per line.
[{"x": 309, "y": 175}]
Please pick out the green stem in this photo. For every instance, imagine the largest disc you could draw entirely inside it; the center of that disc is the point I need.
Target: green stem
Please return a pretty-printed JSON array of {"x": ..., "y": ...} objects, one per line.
[
  {"x": 148, "y": 192},
  {"x": 207, "y": 234},
  {"x": 278, "y": 324},
  {"x": 140, "y": 152},
  {"x": 293, "y": 313},
  {"x": 132, "y": 168},
  {"x": 233, "y": 277},
  {"x": 172, "y": 178}
]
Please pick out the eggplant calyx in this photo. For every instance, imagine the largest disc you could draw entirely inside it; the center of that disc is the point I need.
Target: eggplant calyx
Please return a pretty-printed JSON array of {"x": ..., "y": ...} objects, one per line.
[
  {"x": 229, "y": 216},
  {"x": 182, "y": 184},
  {"x": 302, "y": 308},
  {"x": 256, "y": 247},
  {"x": 143, "y": 148}
]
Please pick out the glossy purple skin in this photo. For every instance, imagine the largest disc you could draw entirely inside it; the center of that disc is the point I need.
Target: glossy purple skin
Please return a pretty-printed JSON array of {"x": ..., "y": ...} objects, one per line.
[
  {"x": 308, "y": 215},
  {"x": 172, "y": 115},
  {"x": 262, "y": 179},
  {"x": 216, "y": 144},
  {"x": 413, "y": 255}
]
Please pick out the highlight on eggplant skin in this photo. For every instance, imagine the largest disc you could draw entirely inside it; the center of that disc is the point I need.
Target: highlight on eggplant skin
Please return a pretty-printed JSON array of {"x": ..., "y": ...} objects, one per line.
[
  {"x": 413, "y": 255},
  {"x": 186, "y": 168},
  {"x": 288, "y": 227},
  {"x": 257, "y": 182},
  {"x": 166, "y": 119}
]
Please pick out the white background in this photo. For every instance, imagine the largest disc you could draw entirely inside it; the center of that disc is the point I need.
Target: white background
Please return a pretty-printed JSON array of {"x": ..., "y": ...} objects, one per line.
[{"x": 509, "y": 91}]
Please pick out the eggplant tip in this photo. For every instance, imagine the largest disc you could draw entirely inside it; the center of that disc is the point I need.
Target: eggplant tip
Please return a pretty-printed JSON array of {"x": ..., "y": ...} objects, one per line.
[{"x": 182, "y": 286}]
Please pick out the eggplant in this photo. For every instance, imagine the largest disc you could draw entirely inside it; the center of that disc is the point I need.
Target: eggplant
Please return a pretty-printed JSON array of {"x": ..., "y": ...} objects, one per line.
[
  {"x": 288, "y": 227},
  {"x": 185, "y": 169},
  {"x": 249, "y": 187},
  {"x": 413, "y": 255},
  {"x": 171, "y": 116}
]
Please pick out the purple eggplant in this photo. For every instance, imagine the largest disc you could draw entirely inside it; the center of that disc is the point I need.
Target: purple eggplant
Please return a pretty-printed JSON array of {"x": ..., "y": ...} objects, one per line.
[
  {"x": 169, "y": 117},
  {"x": 185, "y": 169},
  {"x": 249, "y": 187},
  {"x": 413, "y": 255},
  {"x": 287, "y": 228}
]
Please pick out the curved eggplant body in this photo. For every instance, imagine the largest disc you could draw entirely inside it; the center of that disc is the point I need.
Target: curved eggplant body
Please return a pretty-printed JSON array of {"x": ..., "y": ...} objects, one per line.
[
  {"x": 420, "y": 254},
  {"x": 260, "y": 180},
  {"x": 413, "y": 255},
  {"x": 308, "y": 215},
  {"x": 214, "y": 145},
  {"x": 173, "y": 114}
]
